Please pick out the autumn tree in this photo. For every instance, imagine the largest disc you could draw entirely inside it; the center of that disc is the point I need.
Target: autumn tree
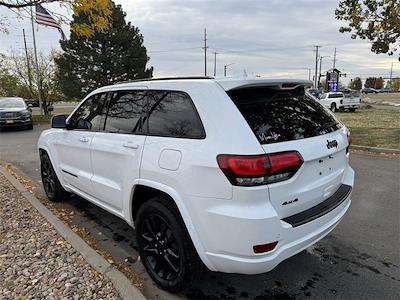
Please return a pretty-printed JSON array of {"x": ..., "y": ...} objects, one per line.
[
  {"x": 117, "y": 54},
  {"x": 356, "y": 84},
  {"x": 375, "y": 20},
  {"x": 374, "y": 82},
  {"x": 8, "y": 81},
  {"x": 98, "y": 13},
  {"x": 395, "y": 85}
]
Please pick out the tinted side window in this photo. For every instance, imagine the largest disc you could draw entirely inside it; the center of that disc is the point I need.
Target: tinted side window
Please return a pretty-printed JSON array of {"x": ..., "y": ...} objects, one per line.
[
  {"x": 88, "y": 115},
  {"x": 173, "y": 114},
  {"x": 125, "y": 112}
]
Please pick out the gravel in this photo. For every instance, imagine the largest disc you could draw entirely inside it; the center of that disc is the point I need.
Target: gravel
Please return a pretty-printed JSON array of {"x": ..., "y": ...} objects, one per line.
[{"x": 36, "y": 262}]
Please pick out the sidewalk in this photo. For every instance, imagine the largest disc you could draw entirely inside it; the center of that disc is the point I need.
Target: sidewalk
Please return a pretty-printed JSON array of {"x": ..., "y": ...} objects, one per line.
[{"x": 36, "y": 262}]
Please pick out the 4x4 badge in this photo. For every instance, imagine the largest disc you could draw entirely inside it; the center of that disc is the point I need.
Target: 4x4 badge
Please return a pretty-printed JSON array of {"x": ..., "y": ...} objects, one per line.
[{"x": 331, "y": 144}]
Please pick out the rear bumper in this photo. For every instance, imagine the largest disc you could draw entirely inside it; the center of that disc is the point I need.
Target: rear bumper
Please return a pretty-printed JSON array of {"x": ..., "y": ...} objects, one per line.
[
  {"x": 351, "y": 106},
  {"x": 228, "y": 229},
  {"x": 292, "y": 241}
]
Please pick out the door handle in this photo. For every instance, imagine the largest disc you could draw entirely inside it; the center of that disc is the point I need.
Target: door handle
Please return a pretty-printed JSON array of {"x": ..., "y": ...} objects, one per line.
[
  {"x": 84, "y": 139},
  {"x": 130, "y": 145}
]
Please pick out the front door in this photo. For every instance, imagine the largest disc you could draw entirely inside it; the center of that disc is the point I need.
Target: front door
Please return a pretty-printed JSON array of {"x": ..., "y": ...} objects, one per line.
[
  {"x": 116, "y": 152},
  {"x": 73, "y": 148}
]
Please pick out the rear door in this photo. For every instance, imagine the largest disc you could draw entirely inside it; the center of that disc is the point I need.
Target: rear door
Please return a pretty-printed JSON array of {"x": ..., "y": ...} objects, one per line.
[
  {"x": 287, "y": 120},
  {"x": 117, "y": 149}
]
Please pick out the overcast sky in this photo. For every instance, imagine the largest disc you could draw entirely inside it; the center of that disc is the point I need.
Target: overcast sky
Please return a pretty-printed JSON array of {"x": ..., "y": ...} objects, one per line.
[{"x": 271, "y": 38}]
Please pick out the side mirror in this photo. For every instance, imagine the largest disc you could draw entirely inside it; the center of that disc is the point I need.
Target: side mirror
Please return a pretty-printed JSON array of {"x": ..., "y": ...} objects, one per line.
[{"x": 59, "y": 121}]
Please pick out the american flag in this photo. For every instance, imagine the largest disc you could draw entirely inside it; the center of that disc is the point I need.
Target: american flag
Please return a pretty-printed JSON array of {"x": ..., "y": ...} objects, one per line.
[{"x": 43, "y": 17}]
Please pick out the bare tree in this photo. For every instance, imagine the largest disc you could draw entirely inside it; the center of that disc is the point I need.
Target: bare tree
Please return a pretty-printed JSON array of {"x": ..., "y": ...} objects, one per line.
[
  {"x": 26, "y": 3},
  {"x": 28, "y": 87}
]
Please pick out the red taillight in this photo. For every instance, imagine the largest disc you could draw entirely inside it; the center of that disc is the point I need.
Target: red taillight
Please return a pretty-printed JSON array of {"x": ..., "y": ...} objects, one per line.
[
  {"x": 284, "y": 160},
  {"x": 348, "y": 141},
  {"x": 243, "y": 165},
  {"x": 265, "y": 247},
  {"x": 249, "y": 170}
]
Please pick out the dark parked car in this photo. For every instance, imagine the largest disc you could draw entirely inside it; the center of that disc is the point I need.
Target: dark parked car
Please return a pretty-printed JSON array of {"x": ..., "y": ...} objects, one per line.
[
  {"x": 14, "y": 113},
  {"x": 369, "y": 91}
]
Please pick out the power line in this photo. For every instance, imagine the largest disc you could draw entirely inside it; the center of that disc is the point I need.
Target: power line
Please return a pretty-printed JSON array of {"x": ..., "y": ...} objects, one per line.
[{"x": 174, "y": 50}]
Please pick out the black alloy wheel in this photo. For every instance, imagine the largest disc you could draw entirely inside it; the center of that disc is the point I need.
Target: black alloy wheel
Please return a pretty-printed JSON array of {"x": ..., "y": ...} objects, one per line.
[
  {"x": 52, "y": 186},
  {"x": 48, "y": 177},
  {"x": 160, "y": 248},
  {"x": 165, "y": 247}
]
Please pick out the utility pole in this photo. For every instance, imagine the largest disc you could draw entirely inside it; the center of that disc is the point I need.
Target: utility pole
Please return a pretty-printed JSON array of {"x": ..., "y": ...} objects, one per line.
[
  {"x": 39, "y": 83},
  {"x": 215, "y": 63},
  {"x": 391, "y": 73},
  {"x": 334, "y": 59},
  {"x": 309, "y": 73},
  {"x": 205, "y": 51},
  {"x": 27, "y": 62},
  {"x": 316, "y": 66}
]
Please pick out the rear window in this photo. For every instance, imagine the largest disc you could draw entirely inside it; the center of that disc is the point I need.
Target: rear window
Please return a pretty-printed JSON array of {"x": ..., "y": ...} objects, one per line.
[
  {"x": 282, "y": 115},
  {"x": 336, "y": 95}
]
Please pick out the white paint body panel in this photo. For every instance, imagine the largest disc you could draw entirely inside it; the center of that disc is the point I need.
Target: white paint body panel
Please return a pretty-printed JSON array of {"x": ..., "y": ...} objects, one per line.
[{"x": 224, "y": 221}]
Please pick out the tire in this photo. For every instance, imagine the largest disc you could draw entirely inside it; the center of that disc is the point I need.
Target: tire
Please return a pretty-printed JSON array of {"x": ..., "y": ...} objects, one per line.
[
  {"x": 352, "y": 109},
  {"x": 333, "y": 107},
  {"x": 30, "y": 127},
  {"x": 52, "y": 186},
  {"x": 165, "y": 247}
]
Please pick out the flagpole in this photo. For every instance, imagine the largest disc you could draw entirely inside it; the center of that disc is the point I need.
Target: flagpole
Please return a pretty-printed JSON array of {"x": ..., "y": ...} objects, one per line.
[{"x": 39, "y": 84}]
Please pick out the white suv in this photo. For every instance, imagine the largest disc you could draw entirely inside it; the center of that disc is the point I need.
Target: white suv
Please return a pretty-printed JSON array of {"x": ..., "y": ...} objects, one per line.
[{"x": 236, "y": 175}]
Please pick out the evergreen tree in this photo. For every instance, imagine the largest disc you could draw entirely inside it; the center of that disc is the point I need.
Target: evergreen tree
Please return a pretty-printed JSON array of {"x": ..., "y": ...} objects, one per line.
[{"x": 104, "y": 58}]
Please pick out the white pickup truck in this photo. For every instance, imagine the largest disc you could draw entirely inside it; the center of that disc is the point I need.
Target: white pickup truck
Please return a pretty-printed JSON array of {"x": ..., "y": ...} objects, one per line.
[{"x": 341, "y": 100}]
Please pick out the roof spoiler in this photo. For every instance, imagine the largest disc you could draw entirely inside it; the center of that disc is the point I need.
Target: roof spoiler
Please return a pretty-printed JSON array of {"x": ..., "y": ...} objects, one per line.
[{"x": 282, "y": 84}]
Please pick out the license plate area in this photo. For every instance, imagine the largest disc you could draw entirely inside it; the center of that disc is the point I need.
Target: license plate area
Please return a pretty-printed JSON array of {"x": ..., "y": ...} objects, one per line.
[
  {"x": 328, "y": 165},
  {"x": 9, "y": 121}
]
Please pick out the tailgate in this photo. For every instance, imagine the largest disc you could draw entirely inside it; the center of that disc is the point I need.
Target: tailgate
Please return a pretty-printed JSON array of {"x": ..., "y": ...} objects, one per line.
[
  {"x": 286, "y": 119},
  {"x": 319, "y": 177}
]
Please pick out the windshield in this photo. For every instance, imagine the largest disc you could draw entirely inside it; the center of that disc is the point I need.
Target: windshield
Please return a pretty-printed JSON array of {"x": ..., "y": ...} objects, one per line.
[
  {"x": 12, "y": 103},
  {"x": 283, "y": 115}
]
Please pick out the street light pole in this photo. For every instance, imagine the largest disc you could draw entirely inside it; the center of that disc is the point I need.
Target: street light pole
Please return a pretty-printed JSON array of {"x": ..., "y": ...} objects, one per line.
[
  {"x": 226, "y": 67},
  {"x": 320, "y": 69}
]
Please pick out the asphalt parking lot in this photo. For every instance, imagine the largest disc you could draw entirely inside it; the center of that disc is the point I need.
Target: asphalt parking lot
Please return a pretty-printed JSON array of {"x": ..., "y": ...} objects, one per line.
[{"x": 359, "y": 260}]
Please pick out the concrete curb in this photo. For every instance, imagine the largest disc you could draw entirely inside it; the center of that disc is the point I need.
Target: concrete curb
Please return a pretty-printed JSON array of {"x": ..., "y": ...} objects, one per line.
[
  {"x": 375, "y": 149},
  {"x": 121, "y": 283}
]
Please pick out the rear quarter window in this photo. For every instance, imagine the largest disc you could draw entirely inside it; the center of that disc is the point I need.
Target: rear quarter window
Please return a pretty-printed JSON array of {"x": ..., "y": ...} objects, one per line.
[
  {"x": 283, "y": 115},
  {"x": 172, "y": 114}
]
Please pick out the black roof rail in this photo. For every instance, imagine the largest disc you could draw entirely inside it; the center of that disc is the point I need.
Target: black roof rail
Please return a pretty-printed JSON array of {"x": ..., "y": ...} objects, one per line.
[{"x": 164, "y": 78}]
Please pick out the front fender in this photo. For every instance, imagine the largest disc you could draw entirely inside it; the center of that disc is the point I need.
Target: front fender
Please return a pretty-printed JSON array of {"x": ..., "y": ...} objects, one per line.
[{"x": 45, "y": 145}]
